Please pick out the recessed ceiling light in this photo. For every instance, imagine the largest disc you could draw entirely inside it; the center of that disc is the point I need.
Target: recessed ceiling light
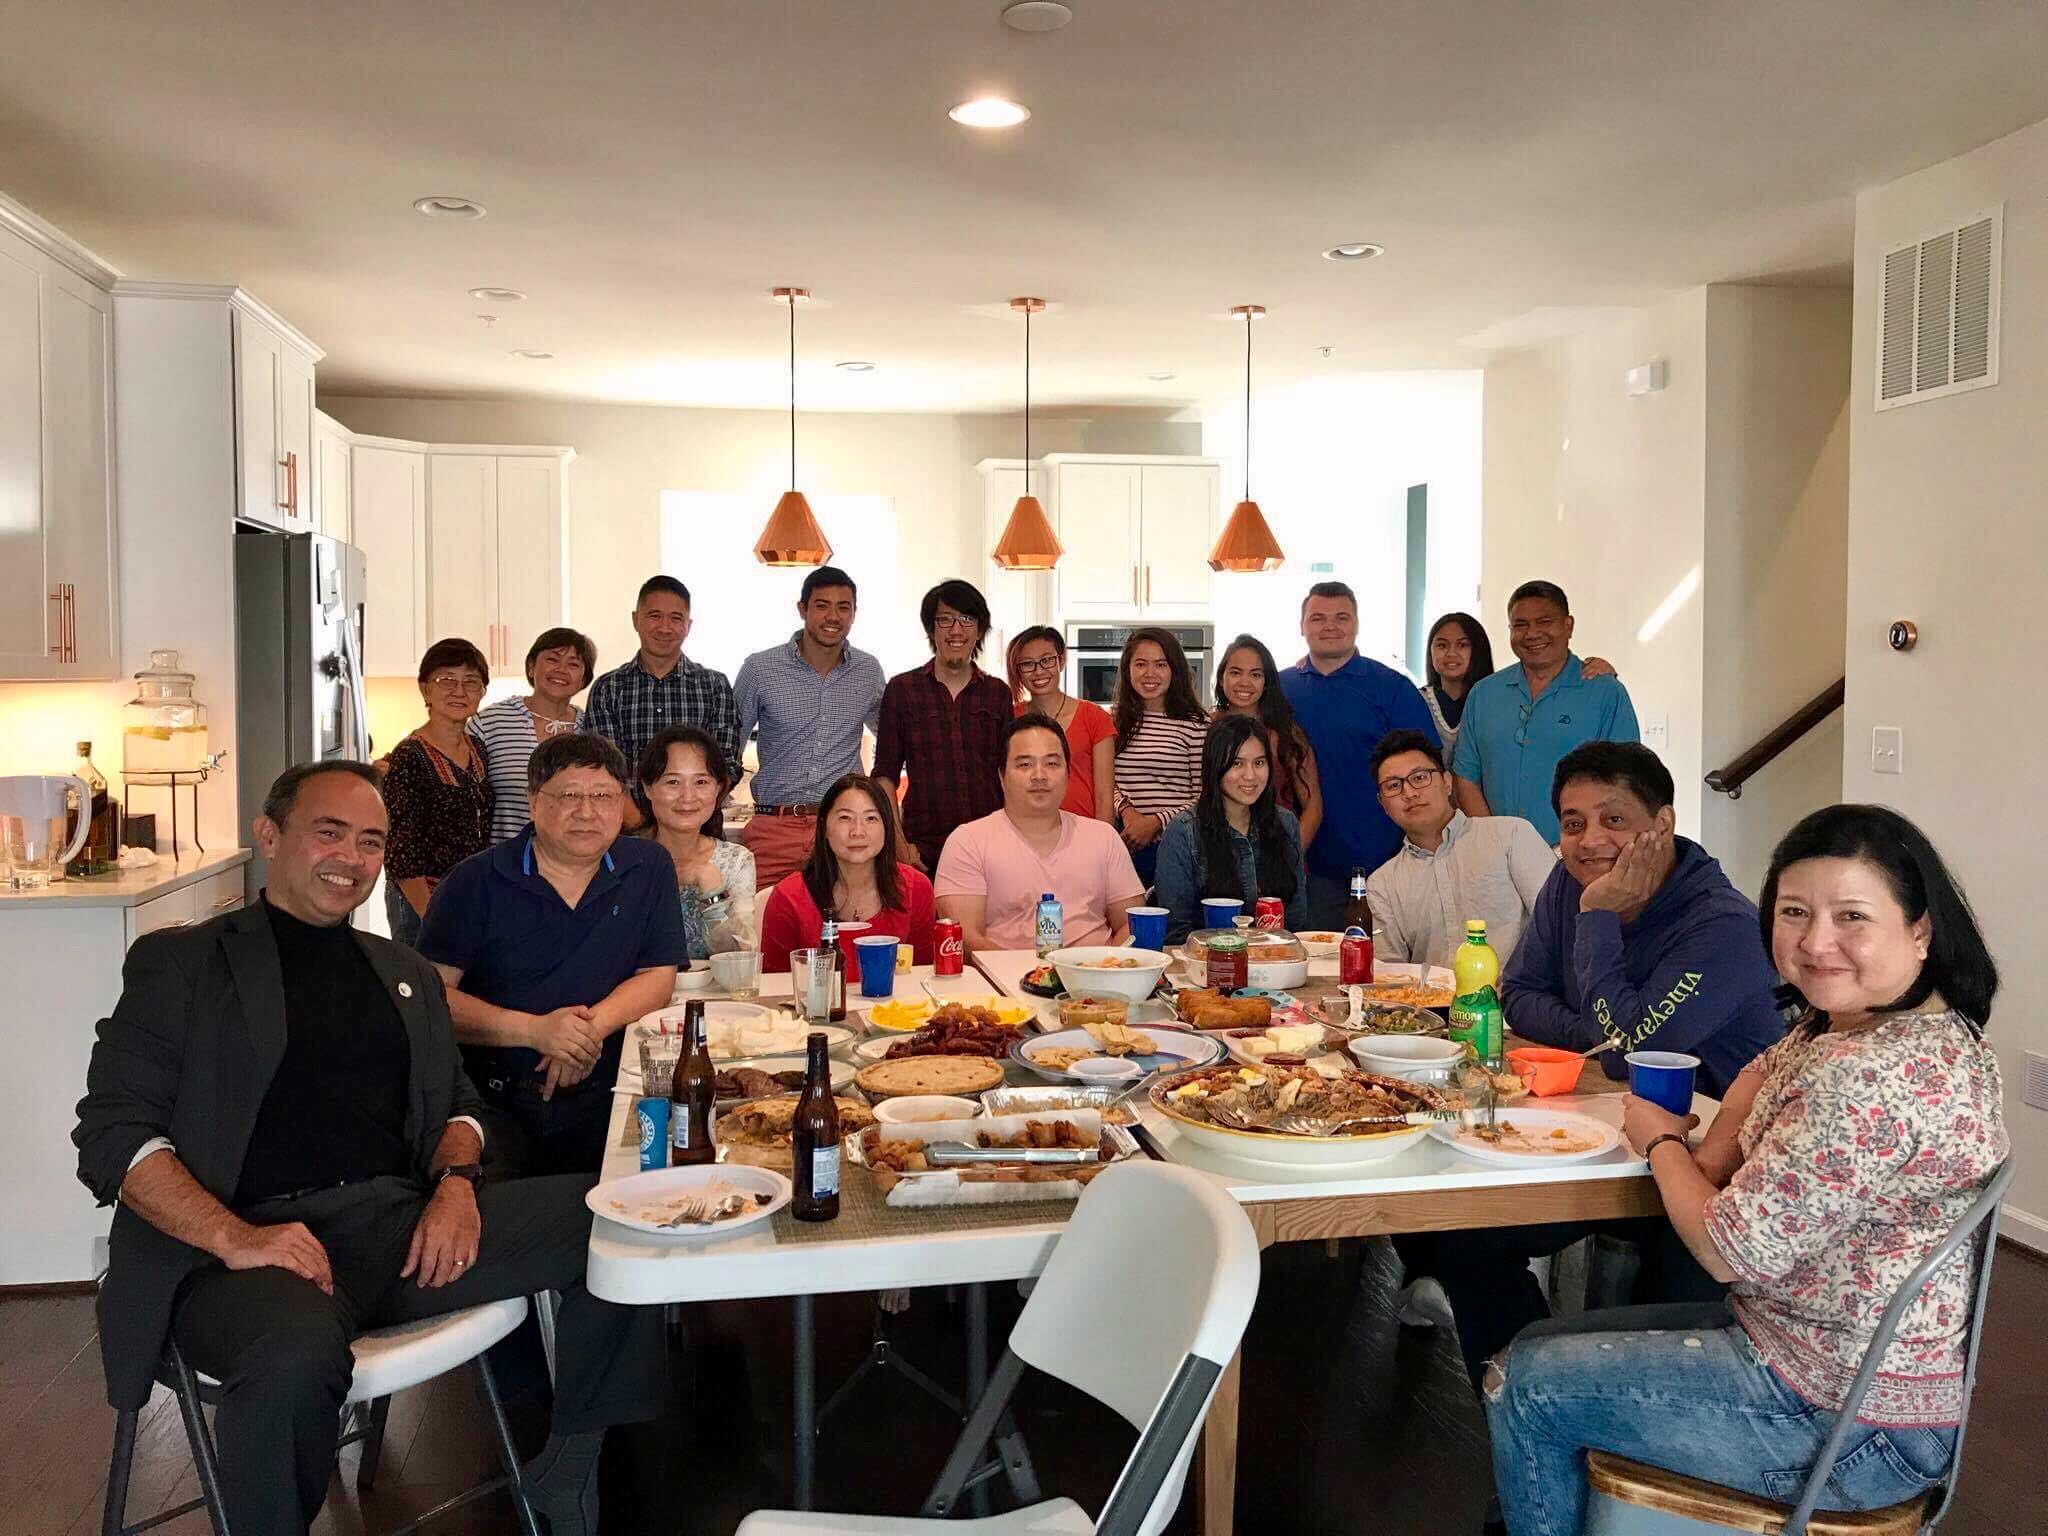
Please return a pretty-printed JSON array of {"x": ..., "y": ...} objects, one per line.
[
  {"x": 1161, "y": 378},
  {"x": 990, "y": 112},
  {"x": 497, "y": 295},
  {"x": 531, "y": 354},
  {"x": 1037, "y": 15},
  {"x": 448, "y": 208},
  {"x": 856, "y": 365},
  {"x": 1357, "y": 250}
]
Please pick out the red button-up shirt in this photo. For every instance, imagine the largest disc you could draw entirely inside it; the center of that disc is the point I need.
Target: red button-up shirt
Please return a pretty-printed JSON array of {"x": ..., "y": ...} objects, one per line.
[{"x": 949, "y": 745}]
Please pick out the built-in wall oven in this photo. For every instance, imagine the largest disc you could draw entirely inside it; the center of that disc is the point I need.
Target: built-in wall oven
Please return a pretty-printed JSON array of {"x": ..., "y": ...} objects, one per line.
[{"x": 1093, "y": 651}]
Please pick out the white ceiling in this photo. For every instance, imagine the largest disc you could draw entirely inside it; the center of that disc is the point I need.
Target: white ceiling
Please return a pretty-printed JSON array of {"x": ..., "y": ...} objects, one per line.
[{"x": 652, "y": 169}]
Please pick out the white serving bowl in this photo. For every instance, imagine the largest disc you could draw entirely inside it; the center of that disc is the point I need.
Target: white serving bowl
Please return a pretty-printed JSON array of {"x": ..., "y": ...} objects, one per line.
[
  {"x": 1416, "y": 1058},
  {"x": 1106, "y": 1069},
  {"x": 916, "y": 1108},
  {"x": 1083, "y": 973}
]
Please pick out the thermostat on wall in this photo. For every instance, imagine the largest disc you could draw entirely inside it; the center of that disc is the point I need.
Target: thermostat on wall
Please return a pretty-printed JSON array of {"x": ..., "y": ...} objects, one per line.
[{"x": 1649, "y": 378}]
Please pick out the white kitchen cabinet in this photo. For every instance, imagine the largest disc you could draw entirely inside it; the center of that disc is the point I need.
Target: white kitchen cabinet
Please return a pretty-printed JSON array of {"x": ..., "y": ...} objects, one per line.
[
  {"x": 273, "y": 425},
  {"x": 59, "y": 599},
  {"x": 497, "y": 557},
  {"x": 388, "y": 518},
  {"x": 1016, "y": 599},
  {"x": 1136, "y": 532},
  {"x": 331, "y": 478}
]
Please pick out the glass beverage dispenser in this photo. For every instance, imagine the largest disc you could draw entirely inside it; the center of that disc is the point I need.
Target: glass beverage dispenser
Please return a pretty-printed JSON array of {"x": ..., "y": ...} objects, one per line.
[{"x": 163, "y": 726}]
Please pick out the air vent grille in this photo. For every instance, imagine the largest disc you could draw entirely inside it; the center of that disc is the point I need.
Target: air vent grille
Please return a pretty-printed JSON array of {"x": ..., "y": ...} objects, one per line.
[{"x": 1938, "y": 321}]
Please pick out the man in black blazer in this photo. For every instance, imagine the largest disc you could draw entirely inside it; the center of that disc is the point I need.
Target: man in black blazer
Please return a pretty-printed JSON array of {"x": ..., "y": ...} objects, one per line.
[{"x": 278, "y": 1105}]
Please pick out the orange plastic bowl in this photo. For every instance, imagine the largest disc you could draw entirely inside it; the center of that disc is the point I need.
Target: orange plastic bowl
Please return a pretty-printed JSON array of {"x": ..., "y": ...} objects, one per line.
[{"x": 1547, "y": 1071}]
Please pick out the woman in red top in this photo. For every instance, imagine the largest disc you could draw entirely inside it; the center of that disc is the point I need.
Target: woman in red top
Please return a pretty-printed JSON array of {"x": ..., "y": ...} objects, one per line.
[
  {"x": 852, "y": 876},
  {"x": 1037, "y": 657}
]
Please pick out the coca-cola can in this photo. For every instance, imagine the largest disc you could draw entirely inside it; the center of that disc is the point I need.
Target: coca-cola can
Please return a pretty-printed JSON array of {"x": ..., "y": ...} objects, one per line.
[
  {"x": 950, "y": 956},
  {"x": 1354, "y": 957},
  {"x": 1271, "y": 912}
]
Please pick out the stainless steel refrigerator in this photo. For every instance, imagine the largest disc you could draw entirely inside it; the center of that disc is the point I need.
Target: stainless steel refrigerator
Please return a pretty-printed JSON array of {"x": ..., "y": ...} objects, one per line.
[{"x": 299, "y": 653}]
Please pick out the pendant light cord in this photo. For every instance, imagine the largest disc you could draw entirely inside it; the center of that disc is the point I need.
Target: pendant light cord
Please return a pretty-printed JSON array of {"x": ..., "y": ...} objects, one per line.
[
  {"x": 1027, "y": 399},
  {"x": 792, "y": 391},
  {"x": 1247, "y": 406}
]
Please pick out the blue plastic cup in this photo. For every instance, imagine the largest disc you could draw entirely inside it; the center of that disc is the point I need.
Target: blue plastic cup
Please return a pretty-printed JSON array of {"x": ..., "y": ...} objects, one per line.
[
  {"x": 653, "y": 1117},
  {"x": 877, "y": 952},
  {"x": 1217, "y": 911},
  {"x": 1665, "y": 1078},
  {"x": 1148, "y": 927}
]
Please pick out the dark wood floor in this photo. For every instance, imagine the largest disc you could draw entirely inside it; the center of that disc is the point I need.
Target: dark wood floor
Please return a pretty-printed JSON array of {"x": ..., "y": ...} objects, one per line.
[{"x": 1350, "y": 1422}]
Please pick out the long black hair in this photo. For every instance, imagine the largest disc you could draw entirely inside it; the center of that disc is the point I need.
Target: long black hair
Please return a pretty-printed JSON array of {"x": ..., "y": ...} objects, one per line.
[
  {"x": 1958, "y": 965},
  {"x": 1482, "y": 650},
  {"x": 1290, "y": 742},
  {"x": 1220, "y": 747},
  {"x": 821, "y": 870},
  {"x": 654, "y": 763},
  {"x": 1180, "y": 702}
]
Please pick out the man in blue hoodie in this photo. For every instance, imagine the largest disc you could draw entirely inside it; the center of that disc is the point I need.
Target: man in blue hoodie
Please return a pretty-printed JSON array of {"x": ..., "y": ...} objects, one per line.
[{"x": 1637, "y": 934}]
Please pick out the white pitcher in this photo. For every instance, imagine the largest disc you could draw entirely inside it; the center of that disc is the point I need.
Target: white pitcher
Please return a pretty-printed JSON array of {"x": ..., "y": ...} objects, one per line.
[{"x": 32, "y": 817}]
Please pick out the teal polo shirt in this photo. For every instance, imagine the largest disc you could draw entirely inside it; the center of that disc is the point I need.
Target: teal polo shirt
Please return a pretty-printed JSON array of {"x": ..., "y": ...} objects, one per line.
[{"x": 1509, "y": 744}]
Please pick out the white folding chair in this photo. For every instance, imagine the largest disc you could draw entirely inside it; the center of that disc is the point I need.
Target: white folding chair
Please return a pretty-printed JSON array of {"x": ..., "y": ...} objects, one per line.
[
  {"x": 1628, "y": 1499},
  {"x": 387, "y": 1361},
  {"x": 1141, "y": 1306}
]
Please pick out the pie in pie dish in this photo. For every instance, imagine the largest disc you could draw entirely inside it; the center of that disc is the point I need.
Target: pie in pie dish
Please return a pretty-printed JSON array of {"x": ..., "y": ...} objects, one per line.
[{"x": 896, "y": 1076}]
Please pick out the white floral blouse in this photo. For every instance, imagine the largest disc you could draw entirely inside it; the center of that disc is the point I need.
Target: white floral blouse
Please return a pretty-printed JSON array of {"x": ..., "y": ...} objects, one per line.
[
  {"x": 1862, "y": 1150},
  {"x": 724, "y": 921}
]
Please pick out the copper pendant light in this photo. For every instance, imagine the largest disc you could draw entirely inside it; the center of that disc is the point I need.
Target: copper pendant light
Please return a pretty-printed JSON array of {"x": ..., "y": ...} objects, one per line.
[
  {"x": 792, "y": 537},
  {"x": 1246, "y": 543},
  {"x": 1028, "y": 542}
]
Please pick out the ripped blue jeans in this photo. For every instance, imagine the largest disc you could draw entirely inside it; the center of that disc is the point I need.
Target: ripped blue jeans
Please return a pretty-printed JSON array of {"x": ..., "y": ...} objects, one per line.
[{"x": 1678, "y": 1387}]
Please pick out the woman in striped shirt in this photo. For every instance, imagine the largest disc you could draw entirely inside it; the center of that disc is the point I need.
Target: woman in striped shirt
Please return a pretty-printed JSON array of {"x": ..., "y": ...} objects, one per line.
[
  {"x": 1159, "y": 729},
  {"x": 559, "y": 665}
]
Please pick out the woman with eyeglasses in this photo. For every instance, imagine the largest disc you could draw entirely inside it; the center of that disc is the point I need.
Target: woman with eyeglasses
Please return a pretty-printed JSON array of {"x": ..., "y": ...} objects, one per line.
[
  {"x": 1248, "y": 683},
  {"x": 684, "y": 780},
  {"x": 1240, "y": 842},
  {"x": 1036, "y": 657},
  {"x": 437, "y": 788},
  {"x": 559, "y": 665}
]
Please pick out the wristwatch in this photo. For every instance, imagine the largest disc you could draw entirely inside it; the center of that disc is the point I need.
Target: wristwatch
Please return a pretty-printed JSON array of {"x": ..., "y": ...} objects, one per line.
[
  {"x": 472, "y": 1173},
  {"x": 1659, "y": 1140}
]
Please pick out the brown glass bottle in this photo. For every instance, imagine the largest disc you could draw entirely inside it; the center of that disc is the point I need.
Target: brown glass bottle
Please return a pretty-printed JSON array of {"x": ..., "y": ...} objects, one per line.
[
  {"x": 690, "y": 1095},
  {"x": 814, "y": 1140},
  {"x": 828, "y": 939},
  {"x": 101, "y": 852},
  {"x": 1357, "y": 912}
]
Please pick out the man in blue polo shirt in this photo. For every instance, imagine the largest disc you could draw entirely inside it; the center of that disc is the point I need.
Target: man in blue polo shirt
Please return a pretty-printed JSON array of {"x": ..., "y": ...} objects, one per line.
[
  {"x": 1522, "y": 720},
  {"x": 549, "y": 945},
  {"x": 1346, "y": 702}
]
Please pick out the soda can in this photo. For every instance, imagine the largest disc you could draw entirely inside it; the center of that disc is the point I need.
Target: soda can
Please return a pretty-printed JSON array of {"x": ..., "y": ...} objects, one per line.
[
  {"x": 1271, "y": 912},
  {"x": 950, "y": 955},
  {"x": 1354, "y": 957},
  {"x": 653, "y": 1117}
]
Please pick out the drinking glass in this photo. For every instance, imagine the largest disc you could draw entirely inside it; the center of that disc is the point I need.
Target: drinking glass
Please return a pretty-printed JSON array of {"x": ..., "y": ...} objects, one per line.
[
  {"x": 810, "y": 983},
  {"x": 738, "y": 972}
]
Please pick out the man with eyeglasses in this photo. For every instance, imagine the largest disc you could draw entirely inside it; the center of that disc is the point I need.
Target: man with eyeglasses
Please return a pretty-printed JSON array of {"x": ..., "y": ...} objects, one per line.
[
  {"x": 1522, "y": 720},
  {"x": 549, "y": 945},
  {"x": 1451, "y": 867}
]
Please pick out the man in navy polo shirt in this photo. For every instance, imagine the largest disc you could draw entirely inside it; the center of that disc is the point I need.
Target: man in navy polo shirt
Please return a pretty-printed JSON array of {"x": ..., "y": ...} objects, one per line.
[
  {"x": 1346, "y": 702},
  {"x": 550, "y": 944}
]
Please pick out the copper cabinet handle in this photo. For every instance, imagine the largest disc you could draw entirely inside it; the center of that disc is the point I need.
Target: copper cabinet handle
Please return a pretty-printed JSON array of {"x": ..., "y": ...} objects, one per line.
[
  {"x": 1134, "y": 583},
  {"x": 70, "y": 622},
  {"x": 57, "y": 622},
  {"x": 290, "y": 465},
  {"x": 1148, "y": 586}
]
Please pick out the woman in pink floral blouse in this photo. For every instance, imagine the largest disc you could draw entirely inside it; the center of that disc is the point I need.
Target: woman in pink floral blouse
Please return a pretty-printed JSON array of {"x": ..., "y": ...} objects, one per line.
[{"x": 1839, "y": 1159}]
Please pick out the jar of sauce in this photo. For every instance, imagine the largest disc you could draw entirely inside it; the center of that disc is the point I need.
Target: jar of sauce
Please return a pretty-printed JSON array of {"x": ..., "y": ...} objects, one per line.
[{"x": 1229, "y": 961}]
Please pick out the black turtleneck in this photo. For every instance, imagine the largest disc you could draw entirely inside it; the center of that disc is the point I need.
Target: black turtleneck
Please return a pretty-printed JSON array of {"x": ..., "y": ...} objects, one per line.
[{"x": 335, "y": 1111}]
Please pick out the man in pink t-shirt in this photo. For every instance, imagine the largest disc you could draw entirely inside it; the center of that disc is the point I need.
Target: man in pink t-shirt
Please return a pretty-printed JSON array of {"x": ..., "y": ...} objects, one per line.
[{"x": 994, "y": 870}]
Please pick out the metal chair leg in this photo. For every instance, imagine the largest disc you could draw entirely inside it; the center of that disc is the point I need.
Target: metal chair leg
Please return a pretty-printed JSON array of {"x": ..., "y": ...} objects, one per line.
[
  {"x": 205, "y": 1462},
  {"x": 114, "y": 1518},
  {"x": 372, "y": 1442},
  {"x": 507, "y": 1451},
  {"x": 544, "y": 1303}
]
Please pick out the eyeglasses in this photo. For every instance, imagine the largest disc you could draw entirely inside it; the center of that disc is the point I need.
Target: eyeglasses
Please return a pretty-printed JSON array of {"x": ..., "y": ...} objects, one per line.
[
  {"x": 1043, "y": 664},
  {"x": 954, "y": 621},
  {"x": 1418, "y": 780},
  {"x": 574, "y": 800},
  {"x": 457, "y": 682}
]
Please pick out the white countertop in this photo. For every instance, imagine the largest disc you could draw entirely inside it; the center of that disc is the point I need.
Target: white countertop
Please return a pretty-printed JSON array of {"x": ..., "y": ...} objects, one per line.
[{"x": 127, "y": 887}]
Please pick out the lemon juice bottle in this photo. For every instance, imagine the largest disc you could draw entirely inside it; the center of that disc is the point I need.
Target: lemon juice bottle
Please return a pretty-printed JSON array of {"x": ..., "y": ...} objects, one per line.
[{"x": 1476, "y": 1020}]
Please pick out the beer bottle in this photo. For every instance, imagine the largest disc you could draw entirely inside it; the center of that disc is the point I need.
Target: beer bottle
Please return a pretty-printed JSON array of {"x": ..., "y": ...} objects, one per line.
[
  {"x": 690, "y": 1095},
  {"x": 814, "y": 1140},
  {"x": 1357, "y": 912},
  {"x": 835, "y": 989}
]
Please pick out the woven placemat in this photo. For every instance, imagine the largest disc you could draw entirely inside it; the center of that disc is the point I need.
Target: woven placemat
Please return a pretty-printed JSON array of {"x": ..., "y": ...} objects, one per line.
[{"x": 863, "y": 1213}]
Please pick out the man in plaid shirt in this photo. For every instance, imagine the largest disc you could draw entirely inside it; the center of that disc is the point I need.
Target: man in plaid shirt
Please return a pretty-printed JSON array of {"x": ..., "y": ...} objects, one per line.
[{"x": 660, "y": 687}]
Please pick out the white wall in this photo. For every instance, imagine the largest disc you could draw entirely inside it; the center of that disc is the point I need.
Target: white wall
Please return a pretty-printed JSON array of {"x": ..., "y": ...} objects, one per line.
[
  {"x": 1946, "y": 529},
  {"x": 1776, "y": 588},
  {"x": 1605, "y": 495},
  {"x": 626, "y": 456},
  {"x": 1332, "y": 461}
]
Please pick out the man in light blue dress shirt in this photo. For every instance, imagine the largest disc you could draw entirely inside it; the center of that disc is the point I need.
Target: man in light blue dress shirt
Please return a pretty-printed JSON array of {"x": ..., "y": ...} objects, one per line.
[
  {"x": 811, "y": 697},
  {"x": 1523, "y": 719}
]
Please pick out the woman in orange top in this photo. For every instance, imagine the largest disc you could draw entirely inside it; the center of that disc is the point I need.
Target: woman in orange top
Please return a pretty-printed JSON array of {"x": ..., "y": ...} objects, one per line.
[{"x": 1037, "y": 657}]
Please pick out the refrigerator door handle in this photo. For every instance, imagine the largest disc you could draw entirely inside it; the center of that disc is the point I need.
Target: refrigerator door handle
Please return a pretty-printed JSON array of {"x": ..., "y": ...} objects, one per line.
[{"x": 352, "y": 664}]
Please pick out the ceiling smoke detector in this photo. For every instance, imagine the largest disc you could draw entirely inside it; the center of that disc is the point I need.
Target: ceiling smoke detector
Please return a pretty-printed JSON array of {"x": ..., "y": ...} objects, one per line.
[
  {"x": 448, "y": 207},
  {"x": 989, "y": 112},
  {"x": 1356, "y": 250},
  {"x": 497, "y": 295},
  {"x": 1037, "y": 15}
]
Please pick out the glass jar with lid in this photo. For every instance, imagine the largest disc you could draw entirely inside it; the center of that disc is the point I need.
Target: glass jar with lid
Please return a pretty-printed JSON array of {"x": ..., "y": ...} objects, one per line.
[{"x": 163, "y": 726}]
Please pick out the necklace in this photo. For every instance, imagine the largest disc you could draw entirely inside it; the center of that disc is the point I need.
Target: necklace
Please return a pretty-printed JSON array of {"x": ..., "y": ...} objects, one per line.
[{"x": 857, "y": 910}]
